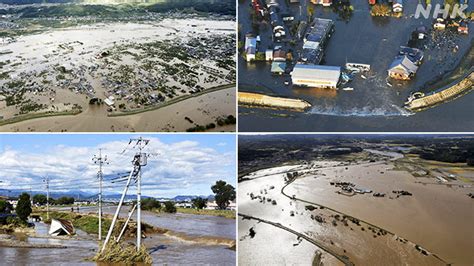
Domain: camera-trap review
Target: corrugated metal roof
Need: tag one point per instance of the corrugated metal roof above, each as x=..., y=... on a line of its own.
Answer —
x=330, y=73
x=405, y=63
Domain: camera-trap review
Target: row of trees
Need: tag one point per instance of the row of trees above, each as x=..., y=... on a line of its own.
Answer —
x=23, y=207
x=151, y=203
x=41, y=199
x=224, y=194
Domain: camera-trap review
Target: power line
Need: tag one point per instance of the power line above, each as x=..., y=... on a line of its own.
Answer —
x=100, y=161
x=46, y=180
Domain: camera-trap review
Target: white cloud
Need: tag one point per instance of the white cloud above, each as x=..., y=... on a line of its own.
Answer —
x=179, y=168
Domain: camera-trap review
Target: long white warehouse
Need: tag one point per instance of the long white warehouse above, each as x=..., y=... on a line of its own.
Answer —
x=316, y=76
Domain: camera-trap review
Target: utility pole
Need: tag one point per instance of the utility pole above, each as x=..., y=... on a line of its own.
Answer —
x=100, y=161
x=117, y=211
x=139, y=160
x=142, y=160
x=46, y=180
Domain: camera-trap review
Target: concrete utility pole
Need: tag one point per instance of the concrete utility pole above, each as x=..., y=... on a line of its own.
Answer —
x=139, y=160
x=142, y=160
x=46, y=180
x=100, y=161
x=109, y=233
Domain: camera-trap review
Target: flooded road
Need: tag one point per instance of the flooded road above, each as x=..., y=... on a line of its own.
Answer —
x=178, y=247
x=364, y=230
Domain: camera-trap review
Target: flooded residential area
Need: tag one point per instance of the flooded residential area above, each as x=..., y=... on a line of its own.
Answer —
x=62, y=208
x=104, y=65
x=355, y=199
x=358, y=68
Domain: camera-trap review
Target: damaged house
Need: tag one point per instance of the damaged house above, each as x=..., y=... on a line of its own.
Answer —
x=402, y=68
x=61, y=227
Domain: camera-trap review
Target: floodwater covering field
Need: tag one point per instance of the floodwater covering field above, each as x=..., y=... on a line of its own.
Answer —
x=309, y=218
x=67, y=65
x=193, y=239
x=376, y=103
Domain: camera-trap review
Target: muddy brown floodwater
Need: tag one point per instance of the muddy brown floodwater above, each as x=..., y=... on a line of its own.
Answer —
x=431, y=227
x=193, y=239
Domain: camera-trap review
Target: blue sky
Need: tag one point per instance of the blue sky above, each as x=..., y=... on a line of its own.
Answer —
x=181, y=163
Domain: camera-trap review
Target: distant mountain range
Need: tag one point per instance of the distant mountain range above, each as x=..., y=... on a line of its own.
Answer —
x=106, y=9
x=81, y=195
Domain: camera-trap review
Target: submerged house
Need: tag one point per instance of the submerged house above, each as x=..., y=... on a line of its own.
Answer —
x=322, y=2
x=463, y=27
x=316, y=76
x=60, y=227
x=278, y=67
x=250, y=47
x=269, y=55
x=415, y=55
x=402, y=68
x=440, y=24
x=397, y=6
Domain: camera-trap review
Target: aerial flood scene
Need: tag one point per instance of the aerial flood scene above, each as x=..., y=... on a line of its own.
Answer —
x=355, y=65
x=107, y=199
x=355, y=199
x=135, y=65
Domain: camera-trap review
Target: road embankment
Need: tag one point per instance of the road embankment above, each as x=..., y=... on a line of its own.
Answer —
x=456, y=89
x=262, y=100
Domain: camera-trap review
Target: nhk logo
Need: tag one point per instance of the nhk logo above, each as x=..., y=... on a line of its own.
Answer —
x=456, y=11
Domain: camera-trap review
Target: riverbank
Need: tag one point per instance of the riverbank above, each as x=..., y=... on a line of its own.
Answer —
x=262, y=100
x=202, y=110
x=351, y=226
x=32, y=116
x=220, y=213
x=172, y=101
x=89, y=223
x=450, y=92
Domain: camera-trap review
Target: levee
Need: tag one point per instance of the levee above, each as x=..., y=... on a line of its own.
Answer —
x=456, y=89
x=262, y=100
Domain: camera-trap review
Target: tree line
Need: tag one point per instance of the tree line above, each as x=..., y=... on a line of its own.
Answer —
x=223, y=193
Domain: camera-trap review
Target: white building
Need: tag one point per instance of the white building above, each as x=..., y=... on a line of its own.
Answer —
x=187, y=205
x=250, y=47
x=316, y=76
x=269, y=55
x=397, y=6
x=110, y=101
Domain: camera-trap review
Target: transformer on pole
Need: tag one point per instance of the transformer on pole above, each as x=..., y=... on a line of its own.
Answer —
x=100, y=161
x=46, y=180
x=139, y=160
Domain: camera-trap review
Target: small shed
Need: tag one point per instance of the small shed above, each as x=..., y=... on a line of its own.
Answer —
x=463, y=27
x=279, y=55
x=278, y=68
x=269, y=55
x=397, y=6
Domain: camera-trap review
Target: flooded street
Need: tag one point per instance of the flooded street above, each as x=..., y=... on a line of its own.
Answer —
x=192, y=240
x=374, y=105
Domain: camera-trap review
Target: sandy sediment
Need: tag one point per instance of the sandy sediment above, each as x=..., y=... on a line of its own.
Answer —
x=427, y=228
x=437, y=217
x=201, y=110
